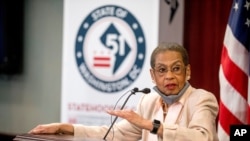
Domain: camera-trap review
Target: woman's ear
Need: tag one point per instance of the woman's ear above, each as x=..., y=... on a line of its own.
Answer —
x=188, y=72
x=152, y=75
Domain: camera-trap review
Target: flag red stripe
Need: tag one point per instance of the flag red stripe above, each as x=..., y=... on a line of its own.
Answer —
x=101, y=58
x=101, y=65
x=234, y=74
x=227, y=118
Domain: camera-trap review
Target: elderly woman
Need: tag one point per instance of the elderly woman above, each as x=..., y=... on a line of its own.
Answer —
x=175, y=111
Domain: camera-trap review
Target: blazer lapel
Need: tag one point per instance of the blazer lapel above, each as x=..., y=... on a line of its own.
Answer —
x=174, y=111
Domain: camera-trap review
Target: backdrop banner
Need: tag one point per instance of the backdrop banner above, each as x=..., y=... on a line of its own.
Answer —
x=106, y=53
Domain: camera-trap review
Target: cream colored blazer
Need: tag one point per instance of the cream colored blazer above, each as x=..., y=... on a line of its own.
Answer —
x=191, y=118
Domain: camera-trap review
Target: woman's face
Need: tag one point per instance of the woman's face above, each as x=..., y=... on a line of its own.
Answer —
x=170, y=73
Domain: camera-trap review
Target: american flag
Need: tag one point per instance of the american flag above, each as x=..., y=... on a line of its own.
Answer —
x=234, y=70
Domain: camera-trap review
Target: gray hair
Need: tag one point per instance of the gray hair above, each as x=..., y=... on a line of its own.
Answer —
x=162, y=47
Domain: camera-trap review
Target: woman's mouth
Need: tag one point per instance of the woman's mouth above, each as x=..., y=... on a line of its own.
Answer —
x=171, y=86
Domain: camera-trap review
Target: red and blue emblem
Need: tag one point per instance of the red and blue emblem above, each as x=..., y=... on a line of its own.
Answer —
x=110, y=49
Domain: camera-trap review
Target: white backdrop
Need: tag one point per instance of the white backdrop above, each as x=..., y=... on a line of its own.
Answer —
x=106, y=52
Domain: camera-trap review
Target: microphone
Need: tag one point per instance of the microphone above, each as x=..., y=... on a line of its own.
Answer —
x=132, y=92
x=145, y=90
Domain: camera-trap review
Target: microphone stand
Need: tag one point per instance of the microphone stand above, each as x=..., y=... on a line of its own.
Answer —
x=132, y=93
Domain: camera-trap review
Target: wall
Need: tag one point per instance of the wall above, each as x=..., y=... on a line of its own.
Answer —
x=34, y=96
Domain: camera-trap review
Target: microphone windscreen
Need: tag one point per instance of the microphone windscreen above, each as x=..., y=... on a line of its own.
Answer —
x=146, y=90
x=135, y=89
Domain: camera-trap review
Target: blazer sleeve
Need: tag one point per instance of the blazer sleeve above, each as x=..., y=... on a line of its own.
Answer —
x=122, y=130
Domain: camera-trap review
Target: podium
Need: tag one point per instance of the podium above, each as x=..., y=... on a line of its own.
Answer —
x=51, y=137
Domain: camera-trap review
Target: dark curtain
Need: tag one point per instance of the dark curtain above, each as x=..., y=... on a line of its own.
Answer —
x=204, y=28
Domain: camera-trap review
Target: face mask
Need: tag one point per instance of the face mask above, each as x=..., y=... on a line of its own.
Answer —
x=170, y=99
